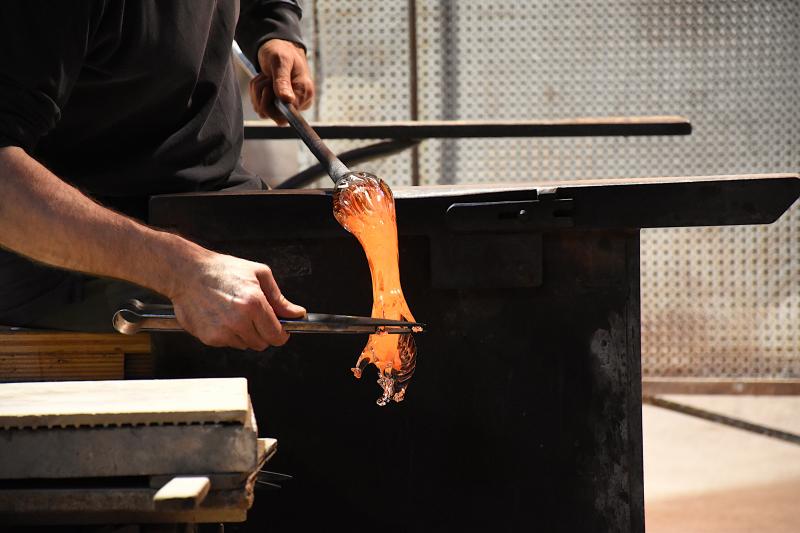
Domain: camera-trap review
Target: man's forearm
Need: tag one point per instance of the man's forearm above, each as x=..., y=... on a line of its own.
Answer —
x=44, y=218
x=220, y=299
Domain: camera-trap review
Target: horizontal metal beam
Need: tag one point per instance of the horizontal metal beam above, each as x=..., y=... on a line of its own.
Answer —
x=349, y=158
x=597, y=204
x=760, y=387
x=441, y=129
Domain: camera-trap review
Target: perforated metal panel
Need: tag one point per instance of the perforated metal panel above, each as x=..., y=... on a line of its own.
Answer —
x=715, y=301
x=731, y=67
x=361, y=54
x=722, y=301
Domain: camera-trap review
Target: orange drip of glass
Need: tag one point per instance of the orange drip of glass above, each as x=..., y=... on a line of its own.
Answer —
x=364, y=205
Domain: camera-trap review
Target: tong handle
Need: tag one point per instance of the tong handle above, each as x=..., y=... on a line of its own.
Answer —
x=145, y=317
x=161, y=317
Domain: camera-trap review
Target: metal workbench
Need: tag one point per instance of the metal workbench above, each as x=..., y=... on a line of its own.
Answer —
x=526, y=405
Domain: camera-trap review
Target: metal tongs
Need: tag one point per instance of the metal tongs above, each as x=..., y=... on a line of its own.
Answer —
x=139, y=316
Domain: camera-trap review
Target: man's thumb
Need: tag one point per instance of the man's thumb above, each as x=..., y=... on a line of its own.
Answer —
x=282, y=84
x=279, y=303
x=286, y=309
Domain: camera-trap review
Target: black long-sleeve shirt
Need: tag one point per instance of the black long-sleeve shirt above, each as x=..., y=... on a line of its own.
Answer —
x=127, y=98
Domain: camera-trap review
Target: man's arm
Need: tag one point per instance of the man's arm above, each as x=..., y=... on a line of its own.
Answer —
x=269, y=33
x=222, y=300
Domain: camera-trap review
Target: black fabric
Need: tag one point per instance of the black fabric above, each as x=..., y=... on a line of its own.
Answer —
x=262, y=20
x=28, y=289
x=125, y=99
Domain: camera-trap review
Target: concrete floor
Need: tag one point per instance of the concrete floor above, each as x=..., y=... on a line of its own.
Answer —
x=705, y=477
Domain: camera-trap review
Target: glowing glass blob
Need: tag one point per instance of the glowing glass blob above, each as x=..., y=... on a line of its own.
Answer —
x=363, y=204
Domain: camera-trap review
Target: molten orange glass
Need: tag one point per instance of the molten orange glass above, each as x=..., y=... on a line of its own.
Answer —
x=363, y=204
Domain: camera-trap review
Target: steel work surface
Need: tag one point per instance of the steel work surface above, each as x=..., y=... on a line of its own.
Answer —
x=525, y=407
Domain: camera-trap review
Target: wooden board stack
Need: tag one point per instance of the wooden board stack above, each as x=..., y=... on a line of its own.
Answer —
x=112, y=452
x=35, y=355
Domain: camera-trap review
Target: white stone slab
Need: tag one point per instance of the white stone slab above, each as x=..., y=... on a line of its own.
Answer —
x=92, y=403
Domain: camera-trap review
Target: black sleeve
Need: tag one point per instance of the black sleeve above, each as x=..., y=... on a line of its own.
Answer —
x=43, y=48
x=262, y=20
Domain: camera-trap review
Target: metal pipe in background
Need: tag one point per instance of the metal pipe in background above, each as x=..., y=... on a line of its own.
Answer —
x=722, y=419
x=413, y=84
x=351, y=157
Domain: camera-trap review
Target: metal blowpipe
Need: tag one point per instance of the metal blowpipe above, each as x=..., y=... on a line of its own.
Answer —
x=333, y=165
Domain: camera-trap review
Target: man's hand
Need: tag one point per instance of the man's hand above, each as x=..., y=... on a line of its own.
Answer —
x=285, y=74
x=233, y=302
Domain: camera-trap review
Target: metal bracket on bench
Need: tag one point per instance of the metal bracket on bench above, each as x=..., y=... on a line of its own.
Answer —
x=504, y=237
x=547, y=211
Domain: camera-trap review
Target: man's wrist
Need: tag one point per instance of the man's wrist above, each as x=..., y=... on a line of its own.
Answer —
x=175, y=262
x=276, y=40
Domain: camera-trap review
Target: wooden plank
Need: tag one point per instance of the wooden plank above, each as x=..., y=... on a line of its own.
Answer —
x=61, y=367
x=182, y=493
x=26, y=341
x=194, y=516
x=267, y=448
x=122, y=500
x=430, y=129
x=767, y=387
x=128, y=451
x=226, y=481
x=73, y=403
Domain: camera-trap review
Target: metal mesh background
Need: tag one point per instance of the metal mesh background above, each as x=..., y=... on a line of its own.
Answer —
x=715, y=301
x=360, y=57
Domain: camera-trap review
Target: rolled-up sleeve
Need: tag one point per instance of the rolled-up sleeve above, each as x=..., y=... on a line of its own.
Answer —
x=262, y=20
x=43, y=48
